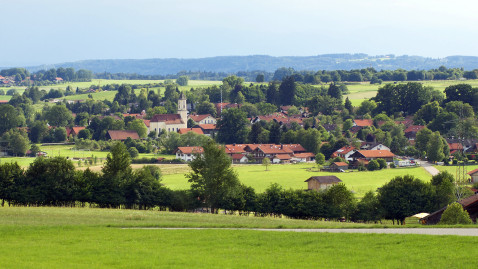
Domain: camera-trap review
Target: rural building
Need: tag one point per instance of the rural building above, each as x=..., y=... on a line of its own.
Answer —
x=322, y=182
x=203, y=119
x=344, y=153
x=239, y=158
x=171, y=122
x=338, y=166
x=474, y=175
x=303, y=157
x=281, y=158
x=412, y=130
x=363, y=123
x=469, y=204
x=187, y=153
x=374, y=146
x=455, y=147
x=74, y=130
x=373, y=155
x=208, y=129
x=187, y=130
x=122, y=135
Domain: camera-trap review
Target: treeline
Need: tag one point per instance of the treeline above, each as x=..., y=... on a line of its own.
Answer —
x=314, y=77
x=23, y=77
x=55, y=182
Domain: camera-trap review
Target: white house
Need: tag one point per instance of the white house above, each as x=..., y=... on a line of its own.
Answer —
x=187, y=154
x=171, y=122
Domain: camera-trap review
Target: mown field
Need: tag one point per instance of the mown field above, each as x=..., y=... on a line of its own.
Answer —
x=358, y=91
x=294, y=175
x=93, y=238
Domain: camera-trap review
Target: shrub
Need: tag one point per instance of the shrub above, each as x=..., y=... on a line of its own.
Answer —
x=382, y=163
x=455, y=214
x=392, y=165
x=133, y=152
x=373, y=165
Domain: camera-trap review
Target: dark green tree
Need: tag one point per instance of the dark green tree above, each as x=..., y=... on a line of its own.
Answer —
x=287, y=91
x=212, y=177
x=232, y=126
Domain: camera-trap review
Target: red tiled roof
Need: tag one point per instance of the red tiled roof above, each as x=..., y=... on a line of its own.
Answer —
x=235, y=148
x=343, y=150
x=455, y=146
x=414, y=128
x=122, y=134
x=304, y=155
x=472, y=172
x=77, y=129
x=340, y=164
x=282, y=156
x=366, y=122
x=275, y=149
x=190, y=150
x=194, y=130
x=376, y=153
x=198, y=118
x=295, y=147
x=147, y=123
x=3, y=101
x=325, y=179
x=237, y=156
x=208, y=126
x=168, y=118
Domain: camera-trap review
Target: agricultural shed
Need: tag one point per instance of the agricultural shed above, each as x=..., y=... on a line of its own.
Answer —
x=322, y=182
x=469, y=204
x=337, y=166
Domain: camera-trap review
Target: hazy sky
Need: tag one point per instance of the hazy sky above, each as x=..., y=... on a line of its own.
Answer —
x=53, y=31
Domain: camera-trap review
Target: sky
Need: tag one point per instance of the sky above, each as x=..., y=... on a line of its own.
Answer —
x=54, y=31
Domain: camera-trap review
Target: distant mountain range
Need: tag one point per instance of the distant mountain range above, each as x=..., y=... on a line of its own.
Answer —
x=232, y=64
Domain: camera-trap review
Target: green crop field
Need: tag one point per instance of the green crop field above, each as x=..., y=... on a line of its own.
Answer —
x=93, y=238
x=294, y=175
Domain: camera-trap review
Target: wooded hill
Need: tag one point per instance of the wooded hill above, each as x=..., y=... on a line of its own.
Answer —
x=232, y=64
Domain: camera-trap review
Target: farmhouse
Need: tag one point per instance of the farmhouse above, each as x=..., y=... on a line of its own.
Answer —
x=187, y=130
x=373, y=155
x=187, y=153
x=322, y=182
x=281, y=158
x=73, y=131
x=171, y=122
x=208, y=129
x=344, y=153
x=303, y=157
x=239, y=158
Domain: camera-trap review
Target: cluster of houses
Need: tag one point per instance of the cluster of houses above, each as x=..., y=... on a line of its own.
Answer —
x=255, y=153
x=7, y=80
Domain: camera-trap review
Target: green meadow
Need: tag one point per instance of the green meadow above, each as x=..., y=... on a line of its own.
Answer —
x=93, y=238
x=294, y=175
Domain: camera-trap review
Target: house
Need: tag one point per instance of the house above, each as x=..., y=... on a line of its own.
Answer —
x=3, y=102
x=187, y=130
x=203, y=119
x=355, y=164
x=469, y=204
x=303, y=157
x=187, y=154
x=344, y=153
x=239, y=158
x=280, y=118
x=373, y=146
x=412, y=130
x=281, y=158
x=322, y=182
x=373, y=155
x=455, y=147
x=232, y=149
x=171, y=122
x=208, y=129
x=122, y=135
x=74, y=130
x=339, y=166
x=363, y=123
x=474, y=175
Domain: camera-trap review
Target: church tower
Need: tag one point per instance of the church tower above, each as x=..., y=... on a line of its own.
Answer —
x=183, y=108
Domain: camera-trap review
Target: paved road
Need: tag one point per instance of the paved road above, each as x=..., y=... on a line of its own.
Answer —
x=426, y=231
x=430, y=169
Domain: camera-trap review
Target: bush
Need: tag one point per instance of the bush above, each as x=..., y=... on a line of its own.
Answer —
x=373, y=165
x=133, y=152
x=392, y=165
x=455, y=214
x=382, y=163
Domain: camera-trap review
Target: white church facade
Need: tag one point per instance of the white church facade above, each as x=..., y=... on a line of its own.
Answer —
x=171, y=122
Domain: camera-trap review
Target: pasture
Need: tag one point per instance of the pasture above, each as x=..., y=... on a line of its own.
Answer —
x=294, y=175
x=93, y=238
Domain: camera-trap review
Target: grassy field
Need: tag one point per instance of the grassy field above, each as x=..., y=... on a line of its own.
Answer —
x=68, y=151
x=294, y=175
x=92, y=238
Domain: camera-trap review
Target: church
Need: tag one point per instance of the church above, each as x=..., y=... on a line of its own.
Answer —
x=171, y=122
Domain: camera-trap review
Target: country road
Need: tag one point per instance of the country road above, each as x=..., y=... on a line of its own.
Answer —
x=430, y=168
x=424, y=231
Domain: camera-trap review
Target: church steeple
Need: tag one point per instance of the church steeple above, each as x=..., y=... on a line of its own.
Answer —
x=182, y=107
